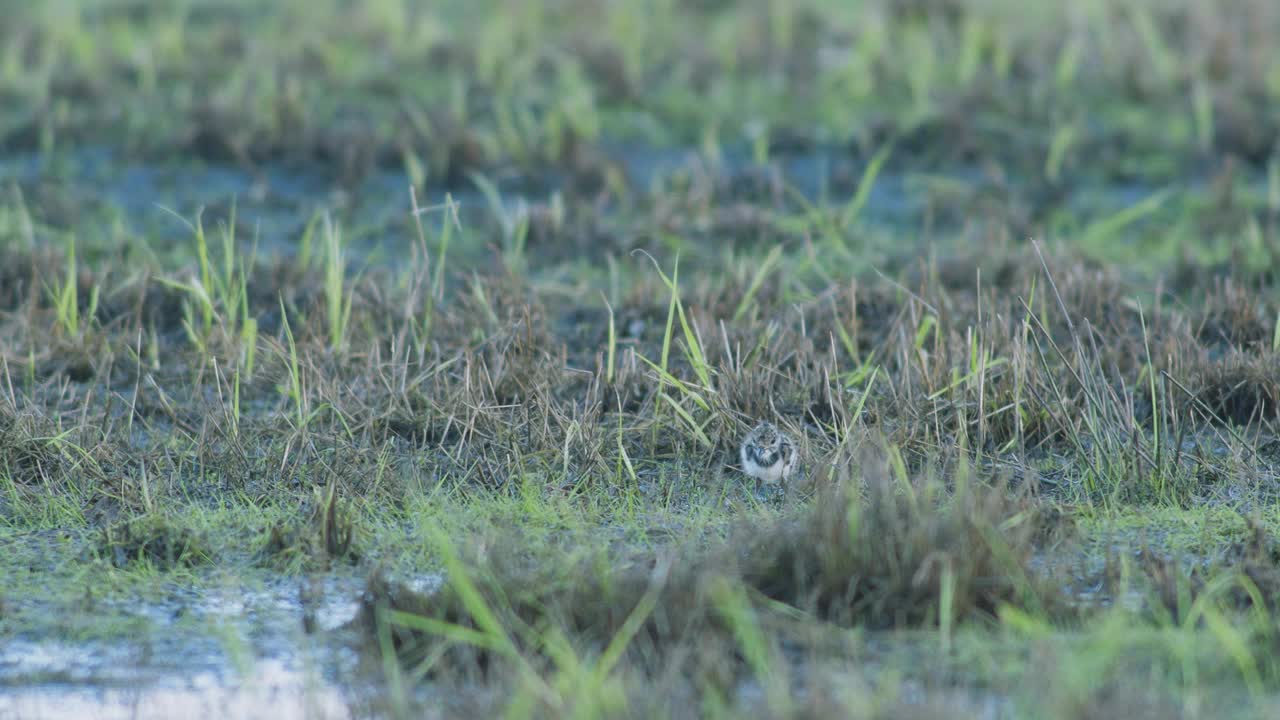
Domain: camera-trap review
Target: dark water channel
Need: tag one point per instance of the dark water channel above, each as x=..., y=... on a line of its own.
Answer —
x=103, y=196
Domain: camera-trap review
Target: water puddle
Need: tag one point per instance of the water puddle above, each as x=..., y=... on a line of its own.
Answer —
x=236, y=652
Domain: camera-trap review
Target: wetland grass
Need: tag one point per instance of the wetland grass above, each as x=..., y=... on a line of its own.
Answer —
x=457, y=315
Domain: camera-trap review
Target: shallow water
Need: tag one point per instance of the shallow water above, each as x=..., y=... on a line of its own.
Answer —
x=98, y=190
x=273, y=690
x=254, y=661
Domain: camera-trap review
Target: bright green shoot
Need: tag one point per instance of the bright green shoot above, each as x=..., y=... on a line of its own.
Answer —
x=294, y=389
x=66, y=297
x=218, y=297
x=613, y=344
x=434, y=278
x=693, y=344
x=762, y=272
x=337, y=298
x=868, y=180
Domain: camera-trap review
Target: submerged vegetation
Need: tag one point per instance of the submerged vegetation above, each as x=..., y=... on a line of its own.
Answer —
x=458, y=312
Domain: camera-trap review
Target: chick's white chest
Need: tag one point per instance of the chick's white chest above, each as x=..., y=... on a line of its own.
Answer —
x=767, y=473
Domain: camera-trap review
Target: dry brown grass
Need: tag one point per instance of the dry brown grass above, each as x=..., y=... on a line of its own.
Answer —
x=512, y=376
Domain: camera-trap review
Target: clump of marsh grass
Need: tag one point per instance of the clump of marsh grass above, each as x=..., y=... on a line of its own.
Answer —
x=887, y=551
x=896, y=551
x=153, y=540
x=28, y=454
x=327, y=534
x=1246, y=577
x=1243, y=391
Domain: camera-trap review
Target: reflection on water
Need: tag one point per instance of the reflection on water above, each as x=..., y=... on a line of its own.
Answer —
x=272, y=690
x=241, y=653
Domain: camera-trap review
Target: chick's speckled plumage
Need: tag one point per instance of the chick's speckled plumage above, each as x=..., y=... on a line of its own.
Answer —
x=767, y=454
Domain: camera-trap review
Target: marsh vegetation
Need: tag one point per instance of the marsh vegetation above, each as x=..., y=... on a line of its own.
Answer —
x=399, y=354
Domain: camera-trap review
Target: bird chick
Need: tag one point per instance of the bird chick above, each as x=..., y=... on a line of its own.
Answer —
x=768, y=455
